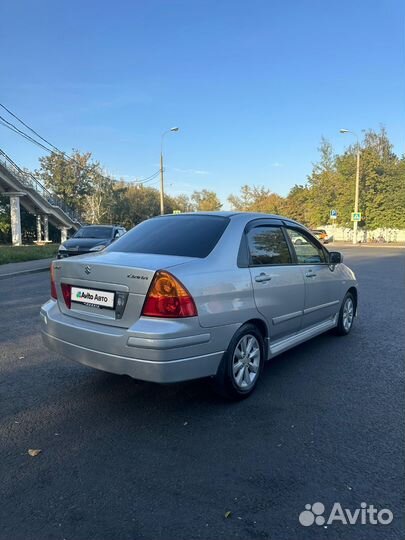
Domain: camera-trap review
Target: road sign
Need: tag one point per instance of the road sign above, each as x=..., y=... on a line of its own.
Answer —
x=356, y=216
x=176, y=211
x=333, y=214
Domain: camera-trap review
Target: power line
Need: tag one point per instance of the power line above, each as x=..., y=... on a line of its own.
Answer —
x=30, y=128
x=15, y=129
x=148, y=179
x=18, y=131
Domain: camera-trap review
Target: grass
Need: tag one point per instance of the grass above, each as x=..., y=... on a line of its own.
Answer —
x=12, y=254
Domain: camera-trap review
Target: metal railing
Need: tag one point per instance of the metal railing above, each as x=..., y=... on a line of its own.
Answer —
x=30, y=181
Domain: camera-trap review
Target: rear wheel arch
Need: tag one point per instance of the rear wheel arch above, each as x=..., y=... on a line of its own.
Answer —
x=260, y=325
x=224, y=381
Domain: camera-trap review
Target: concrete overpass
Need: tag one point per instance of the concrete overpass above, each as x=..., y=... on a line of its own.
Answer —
x=24, y=189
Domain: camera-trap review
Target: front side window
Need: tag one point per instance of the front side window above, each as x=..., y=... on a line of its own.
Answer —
x=267, y=245
x=306, y=250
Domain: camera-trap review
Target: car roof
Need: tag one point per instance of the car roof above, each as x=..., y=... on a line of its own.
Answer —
x=234, y=215
x=94, y=225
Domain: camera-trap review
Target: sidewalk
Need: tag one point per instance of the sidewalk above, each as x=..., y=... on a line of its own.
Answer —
x=392, y=245
x=26, y=267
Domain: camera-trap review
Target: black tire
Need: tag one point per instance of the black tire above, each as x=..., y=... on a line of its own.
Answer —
x=346, y=315
x=227, y=376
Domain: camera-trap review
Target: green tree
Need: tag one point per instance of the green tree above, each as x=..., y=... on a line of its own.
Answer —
x=206, y=201
x=182, y=202
x=380, y=186
x=134, y=203
x=382, y=181
x=69, y=179
x=325, y=187
x=5, y=223
x=256, y=199
x=395, y=200
x=99, y=199
x=296, y=204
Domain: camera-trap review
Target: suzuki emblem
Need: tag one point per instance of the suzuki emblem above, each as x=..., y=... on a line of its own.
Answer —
x=87, y=269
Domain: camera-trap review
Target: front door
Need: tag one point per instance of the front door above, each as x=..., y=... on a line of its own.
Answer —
x=322, y=284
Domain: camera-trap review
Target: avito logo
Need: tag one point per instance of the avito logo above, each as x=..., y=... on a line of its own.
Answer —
x=86, y=295
x=366, y=514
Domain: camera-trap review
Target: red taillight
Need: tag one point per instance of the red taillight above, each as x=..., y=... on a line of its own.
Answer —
x=67, y=294
x=54, y=294
x=167, y=297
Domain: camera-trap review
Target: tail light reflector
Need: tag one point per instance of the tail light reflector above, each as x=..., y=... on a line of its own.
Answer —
x=54, y=293
x=167, y=297
x=67, y=294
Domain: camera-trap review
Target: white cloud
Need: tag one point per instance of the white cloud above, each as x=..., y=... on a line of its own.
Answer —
x=199, y=172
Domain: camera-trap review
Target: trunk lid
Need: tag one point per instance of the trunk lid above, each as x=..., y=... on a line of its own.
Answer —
x=126, y=275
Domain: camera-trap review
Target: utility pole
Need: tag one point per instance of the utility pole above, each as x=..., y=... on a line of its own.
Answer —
x=356, y=193
x=162, y=203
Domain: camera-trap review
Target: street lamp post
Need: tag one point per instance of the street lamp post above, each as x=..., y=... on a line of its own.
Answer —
x=162, y=204
x=356, y=193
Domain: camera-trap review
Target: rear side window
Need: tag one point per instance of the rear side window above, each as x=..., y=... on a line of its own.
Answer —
x=267, y=245
x=182, y=235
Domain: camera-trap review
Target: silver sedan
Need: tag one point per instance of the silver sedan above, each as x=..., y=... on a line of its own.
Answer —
x=186, y=296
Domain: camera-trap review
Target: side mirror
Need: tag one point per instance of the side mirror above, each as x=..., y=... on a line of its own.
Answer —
x=335, y=257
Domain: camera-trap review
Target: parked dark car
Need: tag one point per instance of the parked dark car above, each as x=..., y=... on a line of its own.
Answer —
x=90, y=239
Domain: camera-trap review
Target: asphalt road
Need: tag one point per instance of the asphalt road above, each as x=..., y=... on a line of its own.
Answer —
x=123, y=459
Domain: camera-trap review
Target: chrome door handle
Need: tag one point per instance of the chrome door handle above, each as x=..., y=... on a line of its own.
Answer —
x=310, y=274
x=262, y=277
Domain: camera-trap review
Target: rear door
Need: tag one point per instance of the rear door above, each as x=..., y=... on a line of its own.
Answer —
x=322, y=284
x=278, y=284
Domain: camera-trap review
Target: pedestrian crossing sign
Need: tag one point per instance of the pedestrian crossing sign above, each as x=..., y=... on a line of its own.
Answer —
x=356, y=216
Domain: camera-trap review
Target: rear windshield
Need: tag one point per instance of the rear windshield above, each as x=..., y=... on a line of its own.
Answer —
x=182, y=235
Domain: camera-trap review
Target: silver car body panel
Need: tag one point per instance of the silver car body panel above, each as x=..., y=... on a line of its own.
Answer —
x=291, y=306
x=280, y=299
x=284, y=344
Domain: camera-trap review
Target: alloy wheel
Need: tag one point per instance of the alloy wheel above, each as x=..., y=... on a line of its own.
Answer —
x=348, y=314
x=246, y=361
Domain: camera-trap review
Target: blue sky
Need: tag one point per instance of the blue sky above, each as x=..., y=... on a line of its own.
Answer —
x=253, y=85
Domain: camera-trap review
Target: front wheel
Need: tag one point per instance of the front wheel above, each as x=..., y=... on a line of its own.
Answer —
x=242, y=363
x=346, y=315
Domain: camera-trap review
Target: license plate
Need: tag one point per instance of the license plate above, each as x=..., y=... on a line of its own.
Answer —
x=93, y=297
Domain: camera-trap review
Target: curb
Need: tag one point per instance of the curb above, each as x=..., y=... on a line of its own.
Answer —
x=23, y=272
x=348, y=245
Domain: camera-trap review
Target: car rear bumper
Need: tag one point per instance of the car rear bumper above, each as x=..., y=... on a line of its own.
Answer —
x=161, y=372
x=173, y=354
